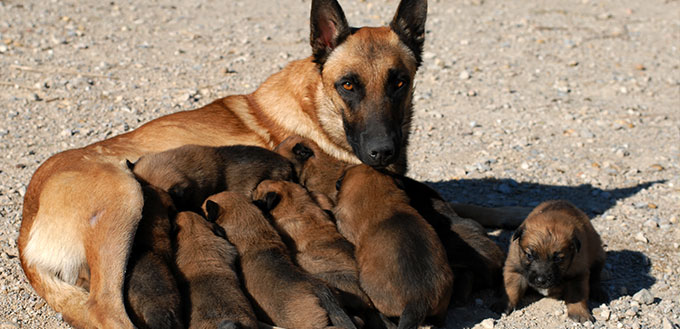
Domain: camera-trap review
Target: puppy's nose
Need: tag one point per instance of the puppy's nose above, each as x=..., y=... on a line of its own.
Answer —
x=540, y=279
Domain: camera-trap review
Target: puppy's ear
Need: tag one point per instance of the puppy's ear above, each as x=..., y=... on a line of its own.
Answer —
x=577, y=244
x=212, y=211
x=130, y=164
x=409, y=24
x=328, y=28
x=518, y=233
x=271, y=199
x=302, y=152
x=219, y=231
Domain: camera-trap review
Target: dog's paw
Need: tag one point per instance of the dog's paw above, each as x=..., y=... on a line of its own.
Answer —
x=581, y=316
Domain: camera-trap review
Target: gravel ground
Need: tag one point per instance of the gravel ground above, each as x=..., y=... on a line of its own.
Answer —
x=517, y=102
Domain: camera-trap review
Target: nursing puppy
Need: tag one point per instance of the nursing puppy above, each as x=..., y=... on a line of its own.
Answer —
x=476, y=260
x=206, y=263
x=151, y=294
x=191, y=173
x=315, y=243
x=282, y=293
x=402, y=264
x=557, y=252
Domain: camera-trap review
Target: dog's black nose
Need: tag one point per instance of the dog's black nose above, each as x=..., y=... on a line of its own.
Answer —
x=381, y=154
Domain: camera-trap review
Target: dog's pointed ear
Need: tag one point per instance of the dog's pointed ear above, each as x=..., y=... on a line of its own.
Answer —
x=518, y=233
x=130, y=164
x=409, y=25
x=577, y=244
x=328, y=28
x=219, y=231
x=302, y=152
x=212, y=211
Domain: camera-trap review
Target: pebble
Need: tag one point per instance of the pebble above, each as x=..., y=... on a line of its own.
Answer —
x=464, y=75
x=666, y=324
x=644, y=297
x=641, y=237
x=488, y=323
x=604, y=315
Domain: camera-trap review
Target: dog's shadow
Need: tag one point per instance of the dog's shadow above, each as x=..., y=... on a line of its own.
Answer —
x=626, y=272
x=508, y=192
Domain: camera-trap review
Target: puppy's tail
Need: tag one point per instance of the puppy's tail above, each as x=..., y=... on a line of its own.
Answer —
x=413, y=315
x=336, y=314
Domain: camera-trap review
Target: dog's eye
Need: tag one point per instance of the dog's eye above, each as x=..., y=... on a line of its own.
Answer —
x=348, y=85
x=399, y=84
x=557, y=258
x=529, y=254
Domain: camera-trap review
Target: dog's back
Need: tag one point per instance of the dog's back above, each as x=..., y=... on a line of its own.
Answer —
x=282, y=293
x=205, y=260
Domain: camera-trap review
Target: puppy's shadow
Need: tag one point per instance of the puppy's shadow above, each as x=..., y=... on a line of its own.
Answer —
x=508, y=192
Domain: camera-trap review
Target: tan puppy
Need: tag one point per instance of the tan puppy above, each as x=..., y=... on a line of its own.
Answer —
x=206, y=263
x=315, y=243
x=152, y=296
x=476, y=260
x=557, y=252
x=191, y=173
x=402, y=264
x=282, y=293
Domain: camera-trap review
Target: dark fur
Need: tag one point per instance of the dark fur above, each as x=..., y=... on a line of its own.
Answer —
x=282, y=293
x=152, y=297
x=402, y=264
x=315, y=243
x=191, y=173
x=557, y=250
x=206, y=262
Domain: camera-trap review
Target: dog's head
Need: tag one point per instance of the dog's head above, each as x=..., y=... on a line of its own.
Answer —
x=546, y=250
x=368, y=76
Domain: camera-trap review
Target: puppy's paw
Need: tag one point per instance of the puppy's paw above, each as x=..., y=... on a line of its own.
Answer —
x=580, y=316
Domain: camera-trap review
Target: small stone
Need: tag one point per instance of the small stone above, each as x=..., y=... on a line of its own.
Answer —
x=604, y=315
x=640, y=67
x=464, y=75
x=644, y=297
x=488, y=323
x=656, y=167
x=641, y=237
x=666, y=324
x=472, y=93
x=652, y=205
x=3, y=49
x=9, y=325
x=651, y=223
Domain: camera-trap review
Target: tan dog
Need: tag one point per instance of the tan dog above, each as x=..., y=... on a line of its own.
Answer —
x=557, y=252
x=352, y=97
x=476, y=260
x=402, y=264
x=206, y=261
x=191, y=173
x=315, y=243
x=283, y=294
x=151, y=291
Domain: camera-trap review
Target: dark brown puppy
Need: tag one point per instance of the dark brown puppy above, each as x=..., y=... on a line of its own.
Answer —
x=205, y=260
x=191, y=173
x=315, y=243
x=476, y=260
x=151, y=294
x=402, y=264
x=557, y=252
x=282, y=293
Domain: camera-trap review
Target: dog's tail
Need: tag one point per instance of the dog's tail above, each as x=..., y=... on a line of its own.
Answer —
x=336, y=314
x=413, y=315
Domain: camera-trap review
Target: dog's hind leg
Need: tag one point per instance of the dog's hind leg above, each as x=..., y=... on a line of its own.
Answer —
x=500, y=217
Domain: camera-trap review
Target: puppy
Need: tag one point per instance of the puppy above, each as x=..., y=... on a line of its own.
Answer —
x=315, y=243
x=151, y=294
x=282, y=293
x=557, y=252
x=205, y=260
x=191, y=173
x=476, y=260
x=402, y=264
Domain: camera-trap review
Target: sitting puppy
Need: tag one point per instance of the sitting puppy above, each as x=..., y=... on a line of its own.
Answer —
x=557, y=252
x=205, y=260
x=282, y=293
x=476, y=260
x=191, y=173
x=402, y=264
x=151, y=294
x=315, y=243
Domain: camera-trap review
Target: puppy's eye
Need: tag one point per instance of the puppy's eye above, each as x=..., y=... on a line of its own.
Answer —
x=529, y=254
x=558, y=258
x=348, y=86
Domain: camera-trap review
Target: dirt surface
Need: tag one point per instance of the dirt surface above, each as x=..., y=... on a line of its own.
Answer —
x=517, y=102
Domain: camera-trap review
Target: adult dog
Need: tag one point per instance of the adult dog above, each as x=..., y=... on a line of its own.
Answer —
x=352, y=97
